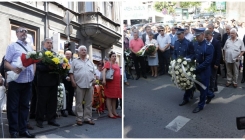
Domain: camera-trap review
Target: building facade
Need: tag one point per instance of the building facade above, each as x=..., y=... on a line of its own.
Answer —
x=94, y=24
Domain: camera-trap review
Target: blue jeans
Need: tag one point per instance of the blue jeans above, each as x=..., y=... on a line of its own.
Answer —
x=18, y=106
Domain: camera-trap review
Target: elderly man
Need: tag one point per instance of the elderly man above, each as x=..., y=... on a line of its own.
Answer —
x=47, y=88
x=173, y=37
x=82, y=74
x=68, y=87
x=216, y=35
x=216, y=60
x=19, y=91
x=188, y=35
x=135, y=45
x=233, y=51
x=164, y=41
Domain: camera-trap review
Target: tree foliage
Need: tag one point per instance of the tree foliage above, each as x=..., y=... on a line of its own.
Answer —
x=189, y=4
x=159, y=6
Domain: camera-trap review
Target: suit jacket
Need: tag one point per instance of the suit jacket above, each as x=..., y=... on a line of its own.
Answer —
x=155, y=36
x=221, y=31
x=217, y=36
x=144, y=38
x=217, y=52
x=225, y=37
x=44, y=77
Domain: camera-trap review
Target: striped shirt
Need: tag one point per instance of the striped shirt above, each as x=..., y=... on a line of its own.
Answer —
x=14, y=51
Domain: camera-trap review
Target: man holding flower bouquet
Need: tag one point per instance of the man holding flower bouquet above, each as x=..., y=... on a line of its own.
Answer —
x=47, y=88
x=183, y=48
x=19, y=90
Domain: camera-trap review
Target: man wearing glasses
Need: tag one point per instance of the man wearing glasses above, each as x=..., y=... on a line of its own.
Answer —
x=164, y=41
x=19, y=91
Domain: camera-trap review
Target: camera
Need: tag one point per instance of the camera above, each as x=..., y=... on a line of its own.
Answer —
x=240, y=123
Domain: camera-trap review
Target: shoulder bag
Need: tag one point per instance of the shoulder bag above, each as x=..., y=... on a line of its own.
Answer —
x=109, y=73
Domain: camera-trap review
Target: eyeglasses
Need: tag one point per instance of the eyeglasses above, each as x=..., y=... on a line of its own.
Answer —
x=160, y=30
x=23, y=31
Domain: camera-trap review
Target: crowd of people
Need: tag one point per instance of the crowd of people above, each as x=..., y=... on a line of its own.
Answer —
x=33, y=95
x=212, y=43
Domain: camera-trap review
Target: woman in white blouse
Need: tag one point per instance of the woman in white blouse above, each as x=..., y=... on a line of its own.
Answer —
x=152, y=59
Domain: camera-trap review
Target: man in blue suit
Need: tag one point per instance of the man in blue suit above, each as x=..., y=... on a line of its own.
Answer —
x=203, y=54
x=215, y=62
x=173, y=37
x=183, y=48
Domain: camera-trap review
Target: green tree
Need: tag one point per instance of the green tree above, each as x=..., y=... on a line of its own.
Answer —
x=190, y=5
x=159, y=6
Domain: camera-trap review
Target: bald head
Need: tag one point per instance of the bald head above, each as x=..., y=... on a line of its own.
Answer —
x=68, y=54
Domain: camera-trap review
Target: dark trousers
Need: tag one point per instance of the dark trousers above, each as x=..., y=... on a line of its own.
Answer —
x=33, y=100
x=164, y=59
x=213, y=79
x=188, y=93
x=141, y=60
x=243, y=71
x=46, y=103
x=18, y=106
x=69, y=96
x=204, y=93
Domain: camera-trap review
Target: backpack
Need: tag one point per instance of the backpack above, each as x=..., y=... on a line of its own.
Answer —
x=2, y=67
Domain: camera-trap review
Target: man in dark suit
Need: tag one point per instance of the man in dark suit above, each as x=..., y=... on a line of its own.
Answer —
x=216, y=60
x=145, y=35
x=215, y=34
x=68, y=87
x=47, y=88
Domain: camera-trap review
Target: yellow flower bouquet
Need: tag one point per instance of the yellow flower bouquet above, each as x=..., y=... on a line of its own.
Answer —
x=58, y=62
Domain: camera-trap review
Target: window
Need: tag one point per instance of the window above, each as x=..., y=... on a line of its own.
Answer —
x=89, y=6
x=31, y=36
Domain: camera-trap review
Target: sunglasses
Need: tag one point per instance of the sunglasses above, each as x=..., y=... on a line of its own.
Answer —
x=23, y=31
x=160, y=30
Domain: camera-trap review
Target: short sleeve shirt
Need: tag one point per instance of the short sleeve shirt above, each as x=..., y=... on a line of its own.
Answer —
x=136, y=44
x=163, y=40
x=14, y=51
x=233, y=49
x=83, y=71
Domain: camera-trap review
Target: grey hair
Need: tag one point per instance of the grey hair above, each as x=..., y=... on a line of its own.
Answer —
x=81, y=47
x=135, y=31
x=211, y=25
x=207, y=32
x=228, y=26
x=233, y=30
x=48, y=39
x=20, y=27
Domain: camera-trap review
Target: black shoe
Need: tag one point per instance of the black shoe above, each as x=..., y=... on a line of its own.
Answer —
x=14, y=135
x=27, y=135
x=32, y=116
x=209, y=99
x=144, y=76
x=71, y=113
x=161, y=74
x=63, y=113
x=197, y=109
x=39, y=124
x=215, y=89
x=242, y=80
x=138, y=77
x=183, y=103
x=53, y=123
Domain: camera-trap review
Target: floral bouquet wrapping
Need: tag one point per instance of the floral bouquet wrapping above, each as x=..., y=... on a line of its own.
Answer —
x=58, y=62
x=22, y=62
x=141, y=52
x=182, y=71
x=61, y=97
x=150, y=49
x=98, y=97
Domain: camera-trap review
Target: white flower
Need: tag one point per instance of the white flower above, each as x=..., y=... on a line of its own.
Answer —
x=192, y=69
x=169, y=67
x=61, y=95
x=179, y=60
x=176, y=72
x=178, y=81
x=188, y=82
x=184, y=79
x=189, y=74
x=33, y=52
x=185, y=63
x=176, y=67
x=194, y=76
x=182, y=74
x=40, y=55
x=180, y=70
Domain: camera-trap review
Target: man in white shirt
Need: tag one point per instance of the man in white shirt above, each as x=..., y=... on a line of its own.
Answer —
x=164, y=41
x=188, y=35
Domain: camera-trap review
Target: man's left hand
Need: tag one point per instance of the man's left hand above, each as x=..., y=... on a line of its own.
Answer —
x=216, y=67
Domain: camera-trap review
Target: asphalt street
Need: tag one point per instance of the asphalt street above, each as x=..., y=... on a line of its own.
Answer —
x=152, y=111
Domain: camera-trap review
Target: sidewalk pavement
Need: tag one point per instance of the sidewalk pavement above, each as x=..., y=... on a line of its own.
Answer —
x=63, y=121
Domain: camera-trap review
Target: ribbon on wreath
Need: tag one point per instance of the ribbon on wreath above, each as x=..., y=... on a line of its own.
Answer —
x=64, y=95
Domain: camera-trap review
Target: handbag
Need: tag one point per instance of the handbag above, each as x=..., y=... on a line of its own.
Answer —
x=109, y=74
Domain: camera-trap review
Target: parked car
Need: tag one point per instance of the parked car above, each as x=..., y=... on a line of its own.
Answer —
x=206, y=15
x=197, y=16
x=138, y=26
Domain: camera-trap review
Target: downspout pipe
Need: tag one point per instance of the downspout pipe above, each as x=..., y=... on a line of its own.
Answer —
x=46, y=21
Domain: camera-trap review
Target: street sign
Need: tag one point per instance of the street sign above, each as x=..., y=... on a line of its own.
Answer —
x=68, y=30
x=220, y=5
x=68, y=17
